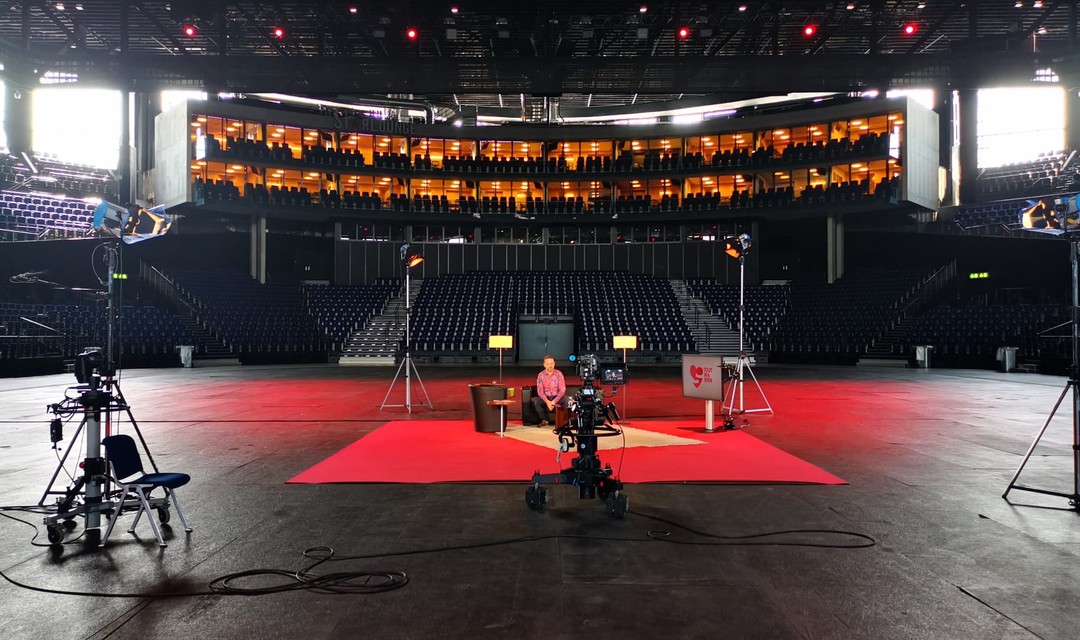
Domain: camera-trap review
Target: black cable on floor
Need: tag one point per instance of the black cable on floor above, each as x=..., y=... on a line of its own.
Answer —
x=665, y=536
x=371, y=582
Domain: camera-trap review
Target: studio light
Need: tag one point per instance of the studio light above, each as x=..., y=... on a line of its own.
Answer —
x=809, y=30
x=737, y=246
x=409, y=259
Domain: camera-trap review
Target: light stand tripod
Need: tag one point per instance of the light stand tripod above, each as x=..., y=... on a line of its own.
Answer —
x=1073, y=384
x=408, y=262
x=738, y=247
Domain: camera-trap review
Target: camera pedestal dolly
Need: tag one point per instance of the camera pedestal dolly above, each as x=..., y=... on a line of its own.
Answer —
x=585, y=471
x=88, y=495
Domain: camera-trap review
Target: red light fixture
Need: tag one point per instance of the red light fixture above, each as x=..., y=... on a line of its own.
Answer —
x=910, y=29
x=277, y=32
x=809, y=30
x=684, y=33
x=190, y=31
x=411, y=33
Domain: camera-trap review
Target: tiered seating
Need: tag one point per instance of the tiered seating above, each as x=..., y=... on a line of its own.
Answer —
x=970, y=334
x=341, y=310
x=631, y=304
x=25, y=216
x=252, y=317
x=763, y=307
x=1040, y=176
x=54, y=175
x=836, y=322
x=458, y=312
x=989, y=214
x=143, y=330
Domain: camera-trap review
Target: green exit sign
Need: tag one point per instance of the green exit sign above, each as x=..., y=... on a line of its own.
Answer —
x=980, y=275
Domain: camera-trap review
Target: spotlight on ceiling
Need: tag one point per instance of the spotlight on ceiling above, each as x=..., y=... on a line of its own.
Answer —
x=189, y=30
x=809, y=30
x=910, y=29
x=684, y=33
x=277, y=32
x=411, y=33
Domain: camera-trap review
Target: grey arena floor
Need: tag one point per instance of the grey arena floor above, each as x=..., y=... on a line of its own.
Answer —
x=927, y=455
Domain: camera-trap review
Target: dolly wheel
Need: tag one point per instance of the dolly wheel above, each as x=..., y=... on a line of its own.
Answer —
x=536, y=497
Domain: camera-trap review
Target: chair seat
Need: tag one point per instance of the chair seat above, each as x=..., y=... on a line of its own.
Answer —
x=170, y=480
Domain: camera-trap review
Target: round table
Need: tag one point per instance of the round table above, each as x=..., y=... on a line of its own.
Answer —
x=502, y=405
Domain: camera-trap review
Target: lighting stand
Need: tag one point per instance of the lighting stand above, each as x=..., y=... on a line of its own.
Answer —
x=407, y=361
x=97, y=401
x=742, y=366
x=1072, y=384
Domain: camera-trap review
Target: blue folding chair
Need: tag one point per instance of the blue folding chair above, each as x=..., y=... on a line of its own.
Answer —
x=128, y=475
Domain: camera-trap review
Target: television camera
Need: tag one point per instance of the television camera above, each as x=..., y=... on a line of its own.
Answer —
x=590, y=418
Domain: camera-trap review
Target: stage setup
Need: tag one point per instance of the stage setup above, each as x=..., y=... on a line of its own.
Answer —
x=867, y=503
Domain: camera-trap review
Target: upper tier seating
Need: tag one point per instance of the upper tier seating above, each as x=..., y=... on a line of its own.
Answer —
x=1047, y=174
x=26, y=216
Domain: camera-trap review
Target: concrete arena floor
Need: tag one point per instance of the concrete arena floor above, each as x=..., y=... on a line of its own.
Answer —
x=927, y=454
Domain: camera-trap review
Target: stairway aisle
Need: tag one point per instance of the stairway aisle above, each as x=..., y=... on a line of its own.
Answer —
x=712, y=334
x=379, y=341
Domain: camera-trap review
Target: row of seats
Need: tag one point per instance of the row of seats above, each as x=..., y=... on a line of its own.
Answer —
x=816, y=195
x=869, y=144
x=465, y=308
x=142, y=329
x=849, y=314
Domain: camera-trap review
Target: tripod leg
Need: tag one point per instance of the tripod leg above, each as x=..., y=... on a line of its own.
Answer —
x=1038, y=437
x=388, y=391
x=60, y=465
x=421, y=383
x=768, y=407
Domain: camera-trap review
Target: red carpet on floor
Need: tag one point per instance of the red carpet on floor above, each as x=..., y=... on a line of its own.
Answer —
x=452, y=451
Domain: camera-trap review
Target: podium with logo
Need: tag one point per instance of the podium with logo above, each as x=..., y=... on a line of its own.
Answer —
x=704, y=377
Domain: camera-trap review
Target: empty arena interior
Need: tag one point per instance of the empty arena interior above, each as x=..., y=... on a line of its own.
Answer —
x=316, y=268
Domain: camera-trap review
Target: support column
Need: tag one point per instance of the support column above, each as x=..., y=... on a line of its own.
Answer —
x=968, y=133
x=834, y=247
x=18, y=119
x=947, y=109
x=257, y=248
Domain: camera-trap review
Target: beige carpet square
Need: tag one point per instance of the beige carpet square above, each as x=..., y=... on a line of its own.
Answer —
x=543, y=437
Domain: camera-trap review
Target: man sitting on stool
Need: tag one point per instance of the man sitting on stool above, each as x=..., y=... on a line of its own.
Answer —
x=550, y=390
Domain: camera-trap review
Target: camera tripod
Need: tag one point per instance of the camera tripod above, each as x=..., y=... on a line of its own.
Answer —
x=588, y=423
x=1073, y=385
